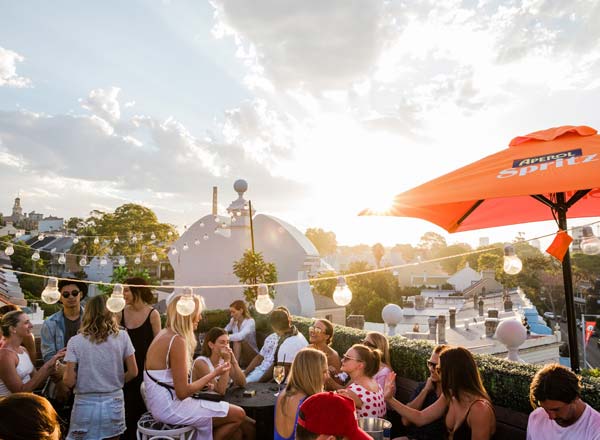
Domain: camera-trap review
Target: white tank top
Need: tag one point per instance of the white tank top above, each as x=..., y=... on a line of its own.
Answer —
x=24, y=370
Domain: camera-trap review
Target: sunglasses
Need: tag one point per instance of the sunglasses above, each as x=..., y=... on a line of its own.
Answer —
x=432, y=365
x=348, y=358
x=74, y=294
x=316, y=330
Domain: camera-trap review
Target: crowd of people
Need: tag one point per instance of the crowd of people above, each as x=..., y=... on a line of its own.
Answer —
x=102, y=371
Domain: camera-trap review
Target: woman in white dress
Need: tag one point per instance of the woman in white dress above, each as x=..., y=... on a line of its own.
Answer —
x=215, y=352
x=17, y=373
x=168, y=391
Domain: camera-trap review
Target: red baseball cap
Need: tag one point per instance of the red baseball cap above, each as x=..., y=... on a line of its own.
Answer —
x=331, y=414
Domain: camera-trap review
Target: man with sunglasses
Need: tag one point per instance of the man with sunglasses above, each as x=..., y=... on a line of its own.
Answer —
x=425, y=395
x=58, y=329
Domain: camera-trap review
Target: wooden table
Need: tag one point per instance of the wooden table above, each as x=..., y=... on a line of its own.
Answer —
x=261, y=406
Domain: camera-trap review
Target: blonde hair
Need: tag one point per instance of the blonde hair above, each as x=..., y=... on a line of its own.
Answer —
x=98, y=323
x=306, y=374
x=184, y=325
x=381, y=343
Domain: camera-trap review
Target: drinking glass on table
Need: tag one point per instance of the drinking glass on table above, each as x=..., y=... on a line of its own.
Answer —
x=278, y=376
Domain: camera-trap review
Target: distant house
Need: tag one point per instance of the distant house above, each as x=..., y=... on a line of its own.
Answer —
x=464, y=278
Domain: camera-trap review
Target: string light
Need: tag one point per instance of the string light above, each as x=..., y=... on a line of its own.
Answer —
x=174, y=251
x=116, y=302
x=153, y=236
x=103, y=261
x=512, y=263
x=134, y=239
x=205, y=237
x=154, y=257
x=263, y=303
x=41, y=236
x=9, y=250
x=223, y=225
x=590, y=244
x=137, y=260
x=96, y=240
x=342, y=294
x=122, y=261
x=185, y=247
x=170, y=233
x=201, y=224
x=197, y=242
x=83, y=261
x=76, y=240
x=116, y=240
x=62, y=259
x=50, y=294
x=35, y=256
x=185, y=303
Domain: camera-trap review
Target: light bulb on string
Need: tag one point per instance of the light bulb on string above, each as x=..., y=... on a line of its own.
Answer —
x=50, y=294
x=170, y=233
x=103, y=261
x=134, y=239
x=197, y=242
x=83, y=261
x=590, y=244
x=216, y=219
x=233, y=220
x=342, y=295
x=223, y=225
x=185, y=303
x=116, y=240
x=62, y=259
x=154, y=257
x=19, y=233
x=205, y=237
x=185, y=246
x=137, y=260
x=122, y=261
x=201, y=224
x=174, y=251
x=35, y=256
x=153, y=236
x=96, y=240
x=9, y=250
x=76, y=240
x=263, y=303
x=238, y=213
x=512, y=263
x=41, y=236
x=116, y=302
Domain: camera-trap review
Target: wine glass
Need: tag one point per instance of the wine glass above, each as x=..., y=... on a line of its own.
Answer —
x=278, y=376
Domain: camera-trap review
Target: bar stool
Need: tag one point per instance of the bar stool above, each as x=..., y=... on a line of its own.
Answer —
x=150, y=429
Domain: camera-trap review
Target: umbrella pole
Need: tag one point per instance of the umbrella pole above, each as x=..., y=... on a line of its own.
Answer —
x=568, y=285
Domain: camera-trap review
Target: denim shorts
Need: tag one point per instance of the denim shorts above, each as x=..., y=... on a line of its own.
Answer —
x=97, y=416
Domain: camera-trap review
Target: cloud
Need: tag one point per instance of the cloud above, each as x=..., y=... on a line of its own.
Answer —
x=314, y=45
x=8, y=69
x=104, y=104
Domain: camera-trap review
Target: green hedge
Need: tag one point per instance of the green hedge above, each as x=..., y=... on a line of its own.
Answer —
x=507, y=382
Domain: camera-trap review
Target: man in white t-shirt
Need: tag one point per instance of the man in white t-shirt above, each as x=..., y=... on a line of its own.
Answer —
x=561, y=413
x=291, y=341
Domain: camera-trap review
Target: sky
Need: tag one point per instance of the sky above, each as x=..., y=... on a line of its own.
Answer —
x=324, y=107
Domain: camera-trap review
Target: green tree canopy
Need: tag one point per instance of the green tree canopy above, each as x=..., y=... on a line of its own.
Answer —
x=133, y=225
x=450, y=265
x=324, y=241
x=253, y=269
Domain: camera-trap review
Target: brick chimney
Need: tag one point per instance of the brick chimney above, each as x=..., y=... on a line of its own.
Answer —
x=492, y=313
x=432, y=322
x=441, y=329
x=490, y=327
x=480, y=303
x=452, y=311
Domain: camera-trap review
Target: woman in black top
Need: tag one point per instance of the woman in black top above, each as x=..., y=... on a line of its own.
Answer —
x=142, y=323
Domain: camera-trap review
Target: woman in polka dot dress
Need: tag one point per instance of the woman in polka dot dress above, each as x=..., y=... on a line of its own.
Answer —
x=362, y=363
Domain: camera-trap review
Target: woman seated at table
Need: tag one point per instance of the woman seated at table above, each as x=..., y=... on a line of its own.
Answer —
x=362, y=363
x=28, y=341
x=465, y=404
x=242, y=329
x=306, y=377
x=320, y=337
x=168, y=390
x=215, y=352
x=376, y=340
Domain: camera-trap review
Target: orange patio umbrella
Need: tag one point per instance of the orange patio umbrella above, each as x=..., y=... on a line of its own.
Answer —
x=546, y=175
